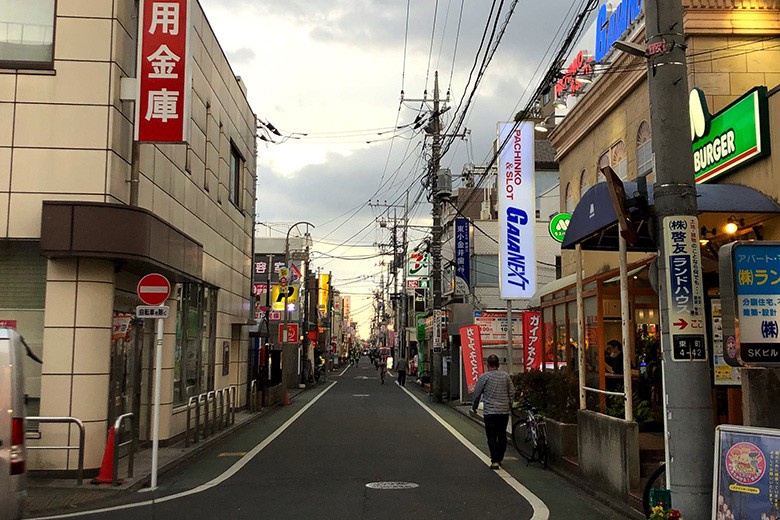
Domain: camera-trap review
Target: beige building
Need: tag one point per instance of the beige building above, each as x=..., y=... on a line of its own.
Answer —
x=84, y=213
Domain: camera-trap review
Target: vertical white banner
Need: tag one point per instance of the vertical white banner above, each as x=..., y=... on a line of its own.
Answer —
x=516, y=211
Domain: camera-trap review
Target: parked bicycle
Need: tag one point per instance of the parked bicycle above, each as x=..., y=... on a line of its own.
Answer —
x=529, y=434
x=656, y=480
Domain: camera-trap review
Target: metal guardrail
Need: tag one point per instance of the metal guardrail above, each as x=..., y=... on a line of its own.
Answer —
x=120, y=421
x=219, y=411
x=80, y=446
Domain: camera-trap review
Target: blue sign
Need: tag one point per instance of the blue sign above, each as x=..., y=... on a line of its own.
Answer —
x=747, y=483
x=462, y=250
x=610, y=27
x=757, y=294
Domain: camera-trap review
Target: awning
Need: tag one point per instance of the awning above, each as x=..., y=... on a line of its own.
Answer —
x=552, y=287
x=594, y=225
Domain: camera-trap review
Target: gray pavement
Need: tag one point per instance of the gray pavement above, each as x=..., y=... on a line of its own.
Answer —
x=339, y=438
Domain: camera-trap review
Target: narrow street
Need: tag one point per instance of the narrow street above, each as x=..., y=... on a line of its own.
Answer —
x=321, y=456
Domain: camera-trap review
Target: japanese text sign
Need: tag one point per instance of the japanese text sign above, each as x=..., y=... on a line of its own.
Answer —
x=437, y=323
x=532, y=340
x=471, y=348
x=516, y=211
x=462, y=250
x=684, y=288
x=747, y=472
x=756, y=301
x=493, y=326
x=162, y=110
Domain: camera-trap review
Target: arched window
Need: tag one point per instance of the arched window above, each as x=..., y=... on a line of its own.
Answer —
x=644, y=151
x=569, y=199
x=617, y=158
x=584, y=183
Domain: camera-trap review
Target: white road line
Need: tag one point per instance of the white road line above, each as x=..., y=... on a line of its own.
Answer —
x=343, y=371
x=235, y=468
x=541, y=512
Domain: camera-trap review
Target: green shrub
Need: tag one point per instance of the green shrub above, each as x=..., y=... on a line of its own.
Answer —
x=554, y=393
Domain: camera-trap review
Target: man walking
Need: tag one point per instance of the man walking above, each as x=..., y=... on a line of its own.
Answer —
x=400, y=367
x=496, y=390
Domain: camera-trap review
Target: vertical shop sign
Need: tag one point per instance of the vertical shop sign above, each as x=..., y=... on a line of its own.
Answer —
x=723, y=373
x=436, y=332
x=516, y=211
x=462, y=250
x=471, y=348
x=532, y=340
x=162, y=109
x=754, y=297
x=747, y=473
x=684, y=288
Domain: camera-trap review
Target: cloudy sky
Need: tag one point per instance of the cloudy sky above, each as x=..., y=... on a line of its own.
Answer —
x=334, y=71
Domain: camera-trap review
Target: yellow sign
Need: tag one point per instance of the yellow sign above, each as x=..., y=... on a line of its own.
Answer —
x=277, y=296
x=284, y=271
x=324, y=292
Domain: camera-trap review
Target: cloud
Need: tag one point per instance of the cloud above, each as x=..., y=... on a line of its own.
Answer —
x=241, y=56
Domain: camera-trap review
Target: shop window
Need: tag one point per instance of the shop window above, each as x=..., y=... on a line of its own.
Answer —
x=485, y=269
x=27, y=34
x=236, y=163
x=644, y=150
x=194, y=351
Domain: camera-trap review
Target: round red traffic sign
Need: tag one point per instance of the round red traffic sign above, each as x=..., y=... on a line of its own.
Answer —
x=153, y=289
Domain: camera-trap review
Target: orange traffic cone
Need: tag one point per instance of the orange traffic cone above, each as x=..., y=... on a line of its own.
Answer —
x=106, y=475
x=287, y=401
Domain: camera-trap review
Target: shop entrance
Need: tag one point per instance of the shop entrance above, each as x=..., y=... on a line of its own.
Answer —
x=127, y=349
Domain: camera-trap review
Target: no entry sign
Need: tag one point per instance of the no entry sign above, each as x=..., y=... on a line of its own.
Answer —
x=153, y=289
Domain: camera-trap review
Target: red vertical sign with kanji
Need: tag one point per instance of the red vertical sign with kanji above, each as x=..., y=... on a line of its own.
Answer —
x=532, y=340
x=471, y=347
x=162, y=109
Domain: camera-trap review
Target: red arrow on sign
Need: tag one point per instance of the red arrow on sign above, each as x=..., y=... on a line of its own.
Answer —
x=153, y=289
x=680, y=324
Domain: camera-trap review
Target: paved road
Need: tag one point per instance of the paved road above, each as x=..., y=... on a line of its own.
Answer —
x=316, y=458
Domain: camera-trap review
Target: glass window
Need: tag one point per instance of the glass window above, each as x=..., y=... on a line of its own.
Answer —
x=26, y=34
x=194, y=351
x=584, y=183
x=618, y=159
x=569, y=198
x=235, y=175
x=485, y=269
x=644, y=150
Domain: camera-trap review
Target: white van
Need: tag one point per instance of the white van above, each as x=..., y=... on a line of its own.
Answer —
x=13, y=485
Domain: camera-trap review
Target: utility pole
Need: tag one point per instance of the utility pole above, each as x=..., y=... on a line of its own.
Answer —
x=405, y=300
x=437, y=369
x=688, y=405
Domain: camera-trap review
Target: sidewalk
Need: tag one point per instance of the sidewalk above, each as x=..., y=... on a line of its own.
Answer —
x=50, y=496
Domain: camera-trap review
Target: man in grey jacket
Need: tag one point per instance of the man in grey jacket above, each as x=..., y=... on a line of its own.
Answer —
x=400, y=367
x=496, y=390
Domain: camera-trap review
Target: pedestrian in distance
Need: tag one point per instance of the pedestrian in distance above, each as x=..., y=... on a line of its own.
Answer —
x=381, y=366
x=400, y=367
x=496, y=390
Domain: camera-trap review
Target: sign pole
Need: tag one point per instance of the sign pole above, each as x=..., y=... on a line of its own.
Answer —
x=156, y=412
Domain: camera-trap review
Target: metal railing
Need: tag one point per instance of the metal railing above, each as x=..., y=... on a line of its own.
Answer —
x=80, y=446
x=120, y=421
x=219, y=411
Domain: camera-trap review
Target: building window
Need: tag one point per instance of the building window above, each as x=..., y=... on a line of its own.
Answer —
x=644, y=150
x=485, y=269
x=27, y=34
x=616, y=158
x=584, y=183
x=568, y=199
x=236, y=162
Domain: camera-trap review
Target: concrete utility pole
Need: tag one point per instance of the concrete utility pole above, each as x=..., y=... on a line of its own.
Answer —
x=688, y=404
x=437, y=368
x=405, y=299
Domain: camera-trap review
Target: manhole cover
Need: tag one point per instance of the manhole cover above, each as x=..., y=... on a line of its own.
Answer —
x=392, y=485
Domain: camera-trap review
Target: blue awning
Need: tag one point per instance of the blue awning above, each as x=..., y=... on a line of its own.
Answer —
x=594, y=225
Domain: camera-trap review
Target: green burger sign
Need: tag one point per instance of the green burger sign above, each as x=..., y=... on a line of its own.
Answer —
x=735, y=136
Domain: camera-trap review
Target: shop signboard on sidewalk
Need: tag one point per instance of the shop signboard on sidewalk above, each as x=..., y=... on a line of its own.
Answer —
x=750, y=289
x=684, y=288
x=493, y=326
x=471, y=348
x=746, y=483
x=532, y=340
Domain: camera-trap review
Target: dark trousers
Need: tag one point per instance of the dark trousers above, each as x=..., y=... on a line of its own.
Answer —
x=402, y=377
x=495, y=428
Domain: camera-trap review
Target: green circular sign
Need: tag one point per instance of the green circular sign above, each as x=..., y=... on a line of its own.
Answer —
x=558, y=226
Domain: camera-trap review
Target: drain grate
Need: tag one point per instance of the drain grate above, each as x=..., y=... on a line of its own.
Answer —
x=392, y=485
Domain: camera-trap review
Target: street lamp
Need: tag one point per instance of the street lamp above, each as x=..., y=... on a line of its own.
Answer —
x=287, y=264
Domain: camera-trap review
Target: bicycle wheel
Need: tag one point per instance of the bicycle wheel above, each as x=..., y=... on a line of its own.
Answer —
x=656, y=480
x=542, y=446
x=523, y=441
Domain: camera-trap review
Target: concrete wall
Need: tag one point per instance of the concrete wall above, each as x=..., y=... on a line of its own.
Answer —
x=609, y=452
x=760, y=406
x=563, y=439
